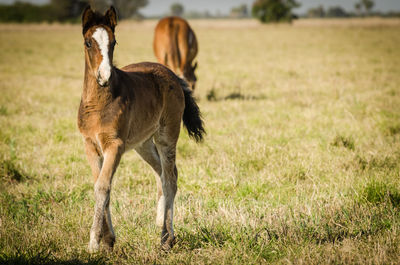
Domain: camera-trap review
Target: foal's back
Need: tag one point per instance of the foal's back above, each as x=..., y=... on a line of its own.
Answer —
x=155, y=79
x=160, y=93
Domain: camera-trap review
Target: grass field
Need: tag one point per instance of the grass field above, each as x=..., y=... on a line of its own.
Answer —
x=300, y=165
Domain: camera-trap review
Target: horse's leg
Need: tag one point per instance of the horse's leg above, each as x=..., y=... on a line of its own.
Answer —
x=166, y=146
x=149, y=154
x=108, y=231
x=96, y=162
x=102, y=189
x=94, y=158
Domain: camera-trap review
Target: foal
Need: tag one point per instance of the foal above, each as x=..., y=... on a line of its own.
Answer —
x=137, y=107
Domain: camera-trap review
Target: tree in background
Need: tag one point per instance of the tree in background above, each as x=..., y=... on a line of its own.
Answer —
x=25, y=12
x=56, y=10
x=368, y=5
x=128, y=8
x=64, y=10
x=99, y=5
x=357, y=7
x=274, y=10
x=364, y=6
x=177, y=9
x=125, y=8
x=336, y=11
x=316, y=12
x=240, y=11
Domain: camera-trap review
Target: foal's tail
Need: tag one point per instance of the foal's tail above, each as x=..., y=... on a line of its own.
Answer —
x=191, y=115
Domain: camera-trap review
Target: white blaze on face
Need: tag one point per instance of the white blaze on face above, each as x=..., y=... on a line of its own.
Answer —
x=101, y=37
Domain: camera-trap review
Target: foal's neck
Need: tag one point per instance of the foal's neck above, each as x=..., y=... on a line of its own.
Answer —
x=92, y=91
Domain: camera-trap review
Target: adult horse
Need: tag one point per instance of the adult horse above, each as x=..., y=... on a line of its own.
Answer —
x=137, y=107
x=175, y=45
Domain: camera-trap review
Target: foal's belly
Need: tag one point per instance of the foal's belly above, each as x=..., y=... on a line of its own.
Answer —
x=138, y=137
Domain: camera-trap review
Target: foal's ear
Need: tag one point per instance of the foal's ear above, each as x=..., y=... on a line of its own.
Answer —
x=87, y=16
x=111, y=17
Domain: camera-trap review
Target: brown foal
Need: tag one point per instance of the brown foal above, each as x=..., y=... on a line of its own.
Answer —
x=175, y=45
x=137, y=107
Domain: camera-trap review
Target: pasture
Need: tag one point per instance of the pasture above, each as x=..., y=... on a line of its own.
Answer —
x=300, y=164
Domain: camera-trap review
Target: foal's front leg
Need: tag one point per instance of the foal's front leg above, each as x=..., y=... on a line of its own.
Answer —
x=96, y=161
x=102, y=188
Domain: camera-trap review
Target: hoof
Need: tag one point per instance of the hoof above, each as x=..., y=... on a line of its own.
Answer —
x=93, y=247
x=109, y=243
x=168, y=244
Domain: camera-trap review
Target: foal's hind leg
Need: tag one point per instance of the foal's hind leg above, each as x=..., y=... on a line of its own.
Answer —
x=149, y=153
x=166, y=146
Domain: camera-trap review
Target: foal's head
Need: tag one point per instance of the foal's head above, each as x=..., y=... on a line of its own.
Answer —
x=98, y=33
x=190, y=76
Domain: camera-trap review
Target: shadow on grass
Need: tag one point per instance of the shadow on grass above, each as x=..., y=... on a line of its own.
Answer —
x=262, y=244
x=10, y=172
x=212, y=96
x=343, y=141
x=45, y=259
x=203, y=236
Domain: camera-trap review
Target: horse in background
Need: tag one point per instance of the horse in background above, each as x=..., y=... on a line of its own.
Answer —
x=138, y=107
x=175, y=45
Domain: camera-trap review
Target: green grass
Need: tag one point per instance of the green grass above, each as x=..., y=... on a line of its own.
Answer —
x=300, y=164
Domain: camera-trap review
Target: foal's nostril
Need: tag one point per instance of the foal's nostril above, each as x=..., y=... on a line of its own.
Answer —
x=100, y=81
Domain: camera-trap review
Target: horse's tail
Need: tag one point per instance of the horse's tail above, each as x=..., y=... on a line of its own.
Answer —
x=191, y=115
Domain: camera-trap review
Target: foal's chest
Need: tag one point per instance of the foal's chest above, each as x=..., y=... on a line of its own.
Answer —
x=93, y=120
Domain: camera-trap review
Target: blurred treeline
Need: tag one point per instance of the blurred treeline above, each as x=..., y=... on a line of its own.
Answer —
x=66, y=10
x=266, y=11
x=339, y=12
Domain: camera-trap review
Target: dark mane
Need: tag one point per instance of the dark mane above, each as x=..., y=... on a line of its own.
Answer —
x=97, y=19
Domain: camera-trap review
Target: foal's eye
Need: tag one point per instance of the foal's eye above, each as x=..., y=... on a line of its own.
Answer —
x=88, y=44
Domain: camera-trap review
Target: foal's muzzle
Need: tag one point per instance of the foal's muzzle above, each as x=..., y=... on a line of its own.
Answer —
x=102, y=81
